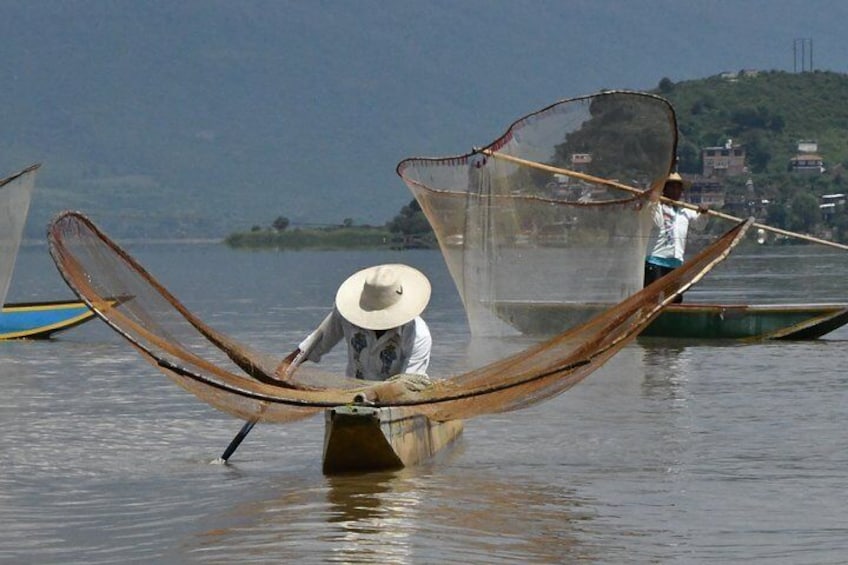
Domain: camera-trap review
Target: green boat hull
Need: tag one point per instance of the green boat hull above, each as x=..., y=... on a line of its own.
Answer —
x=690, y=321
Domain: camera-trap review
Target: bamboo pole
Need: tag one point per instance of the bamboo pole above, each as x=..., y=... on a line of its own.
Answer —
x=620, y=186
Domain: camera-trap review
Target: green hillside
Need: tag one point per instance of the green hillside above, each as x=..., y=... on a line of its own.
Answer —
x=768, y=113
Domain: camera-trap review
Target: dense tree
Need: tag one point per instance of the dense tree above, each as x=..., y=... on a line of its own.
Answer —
x=410, y=221
x=777, y=123
x=757, y=153
x=840, y=223
x=805, y=212
x=281, y=223
x=688, y=158
x=776, y=215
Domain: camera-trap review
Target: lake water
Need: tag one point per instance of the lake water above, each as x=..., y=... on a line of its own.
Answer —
x=674, y=452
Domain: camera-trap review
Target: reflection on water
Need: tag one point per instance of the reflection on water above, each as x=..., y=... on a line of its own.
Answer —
x=375, y=517
x=670, y=367
x=410, y=516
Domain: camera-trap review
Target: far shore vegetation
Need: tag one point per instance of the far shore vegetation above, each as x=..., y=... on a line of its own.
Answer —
x=409, y=229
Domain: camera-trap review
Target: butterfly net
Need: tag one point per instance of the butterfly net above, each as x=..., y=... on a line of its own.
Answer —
x=241, y=381
x=551, y=223
x=15, y=194
x=554, y=211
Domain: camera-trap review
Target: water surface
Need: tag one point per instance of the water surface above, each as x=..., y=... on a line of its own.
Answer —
x=675, y=452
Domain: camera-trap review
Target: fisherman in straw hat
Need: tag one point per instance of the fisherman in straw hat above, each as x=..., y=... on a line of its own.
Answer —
x=377, y=313
x=668, y=244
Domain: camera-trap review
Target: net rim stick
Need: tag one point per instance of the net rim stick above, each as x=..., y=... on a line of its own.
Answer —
x=19, y=174
x=614, y=184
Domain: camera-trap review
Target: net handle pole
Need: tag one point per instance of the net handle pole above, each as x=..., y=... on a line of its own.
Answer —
x=618, y=185
x=236, y=441
x=286, y=367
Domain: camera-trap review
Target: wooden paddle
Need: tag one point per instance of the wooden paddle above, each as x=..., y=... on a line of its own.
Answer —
x=284, y=369
x=236, y=441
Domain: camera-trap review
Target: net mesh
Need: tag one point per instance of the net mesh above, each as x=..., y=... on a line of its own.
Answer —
x=510, y=232
x=239, y=380
x=15, y=195
x=550, y=224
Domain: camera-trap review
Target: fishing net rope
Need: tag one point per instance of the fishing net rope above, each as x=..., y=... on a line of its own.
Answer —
x=240, y=381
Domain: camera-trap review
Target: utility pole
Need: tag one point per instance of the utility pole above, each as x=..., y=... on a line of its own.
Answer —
x=802, y=52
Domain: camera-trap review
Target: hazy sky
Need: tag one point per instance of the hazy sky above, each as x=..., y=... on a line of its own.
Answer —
x=305, y=107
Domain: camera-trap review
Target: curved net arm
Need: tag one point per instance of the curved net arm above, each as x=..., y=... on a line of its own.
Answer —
x=168, y=336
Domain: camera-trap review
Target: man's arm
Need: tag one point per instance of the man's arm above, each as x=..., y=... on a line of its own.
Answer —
x=419, y=356
x=328, y=333
x=702, y=217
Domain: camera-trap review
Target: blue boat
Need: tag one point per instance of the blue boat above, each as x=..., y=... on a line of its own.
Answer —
x=34, y=320
x=40, y=320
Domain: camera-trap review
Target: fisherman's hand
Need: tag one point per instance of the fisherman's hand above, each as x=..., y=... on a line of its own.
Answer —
x=654, y=195
x=281, y=372
x=703, y=208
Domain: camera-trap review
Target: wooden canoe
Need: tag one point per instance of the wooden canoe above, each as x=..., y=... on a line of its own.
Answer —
x=691, y=321
x=40, y=320
x=361, y=438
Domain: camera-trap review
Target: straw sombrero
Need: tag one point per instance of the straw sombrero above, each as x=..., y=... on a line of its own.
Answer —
x=383, y=297
x=675, y=177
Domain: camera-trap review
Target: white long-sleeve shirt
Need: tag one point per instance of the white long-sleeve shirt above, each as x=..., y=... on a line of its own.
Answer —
x=668, y=244
x=405, y=349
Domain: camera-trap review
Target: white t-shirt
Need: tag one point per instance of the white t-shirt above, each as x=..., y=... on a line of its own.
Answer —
x=405, y=349
x=669, y=239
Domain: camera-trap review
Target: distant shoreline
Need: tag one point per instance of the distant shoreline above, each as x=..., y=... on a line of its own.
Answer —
x=329, y=239
x=135, y=241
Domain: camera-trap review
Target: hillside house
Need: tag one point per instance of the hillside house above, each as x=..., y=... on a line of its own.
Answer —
x=807, y=160
x=725, y=161
x=831, y=203
x=812, y=164
x=705, y=191
x=580, y=161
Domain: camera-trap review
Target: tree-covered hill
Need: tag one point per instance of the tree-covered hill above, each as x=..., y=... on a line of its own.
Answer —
x=769, y=113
